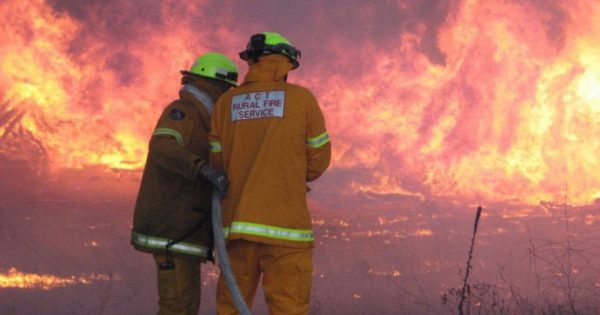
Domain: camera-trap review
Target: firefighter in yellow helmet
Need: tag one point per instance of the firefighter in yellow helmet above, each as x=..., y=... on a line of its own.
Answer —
x=172, y=212
x=269, y=136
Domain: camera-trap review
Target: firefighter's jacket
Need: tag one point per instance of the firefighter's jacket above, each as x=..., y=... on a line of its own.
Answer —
x=172, y=202
x=270, y=138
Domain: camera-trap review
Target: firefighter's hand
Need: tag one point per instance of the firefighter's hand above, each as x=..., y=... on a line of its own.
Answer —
x=215, y=177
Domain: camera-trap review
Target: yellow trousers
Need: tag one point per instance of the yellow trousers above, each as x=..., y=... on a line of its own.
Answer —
x=178, y=288
x=286, y=277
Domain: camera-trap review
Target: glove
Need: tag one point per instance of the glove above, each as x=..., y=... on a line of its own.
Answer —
x=216, y=177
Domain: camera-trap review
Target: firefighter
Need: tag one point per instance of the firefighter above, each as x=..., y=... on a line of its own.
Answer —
x=269, y=136
x=172, y=212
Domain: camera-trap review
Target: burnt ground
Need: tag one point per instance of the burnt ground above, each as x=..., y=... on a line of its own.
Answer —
x=375, y=254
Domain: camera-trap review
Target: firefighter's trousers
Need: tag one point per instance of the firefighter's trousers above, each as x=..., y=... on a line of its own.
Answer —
x=178, y=288
x=286, y=277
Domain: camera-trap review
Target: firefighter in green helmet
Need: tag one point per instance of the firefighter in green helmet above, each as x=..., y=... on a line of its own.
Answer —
x=172, y=213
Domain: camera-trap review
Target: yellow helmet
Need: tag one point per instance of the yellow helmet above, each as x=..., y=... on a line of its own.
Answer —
x=214, y=66
x=270, y=43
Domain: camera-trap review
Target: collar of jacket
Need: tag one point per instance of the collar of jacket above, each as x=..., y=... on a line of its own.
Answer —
x=195, y=95
x=272, y=67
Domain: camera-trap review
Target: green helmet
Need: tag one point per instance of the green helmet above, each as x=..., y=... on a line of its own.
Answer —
x=270, y=43
x=214, y=66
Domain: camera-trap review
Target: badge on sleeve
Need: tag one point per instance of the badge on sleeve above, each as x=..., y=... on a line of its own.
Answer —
x=177, y=114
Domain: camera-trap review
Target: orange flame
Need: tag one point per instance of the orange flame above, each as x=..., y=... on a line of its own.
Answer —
x=513, y=115
x=510, y=111
x=16, y=279
x=66, y=94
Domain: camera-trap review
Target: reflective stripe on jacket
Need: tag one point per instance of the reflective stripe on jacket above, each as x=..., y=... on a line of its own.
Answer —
x=160, y=243
x=271, y=139
x=269, y=232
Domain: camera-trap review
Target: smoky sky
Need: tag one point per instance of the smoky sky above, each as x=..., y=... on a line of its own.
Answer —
x=315, y=26
x=312, y=24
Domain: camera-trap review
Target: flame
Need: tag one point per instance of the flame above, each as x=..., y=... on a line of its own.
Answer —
x=394, y=273
x=487, y=101
x=79, y=99
x=423, y=232
x=16, y=279
x=512, y=115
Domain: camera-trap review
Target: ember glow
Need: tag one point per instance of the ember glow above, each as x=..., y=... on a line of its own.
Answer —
x=479, y=100
x=19, y=280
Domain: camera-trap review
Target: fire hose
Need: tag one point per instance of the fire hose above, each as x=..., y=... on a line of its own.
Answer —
x=219, y=239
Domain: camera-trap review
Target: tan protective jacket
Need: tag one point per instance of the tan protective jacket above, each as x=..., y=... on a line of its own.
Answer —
x=270, y=138
x=172, y=202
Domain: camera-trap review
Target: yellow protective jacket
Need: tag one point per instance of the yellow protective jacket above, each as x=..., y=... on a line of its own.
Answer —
x=172, y=202
x=270, y=138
